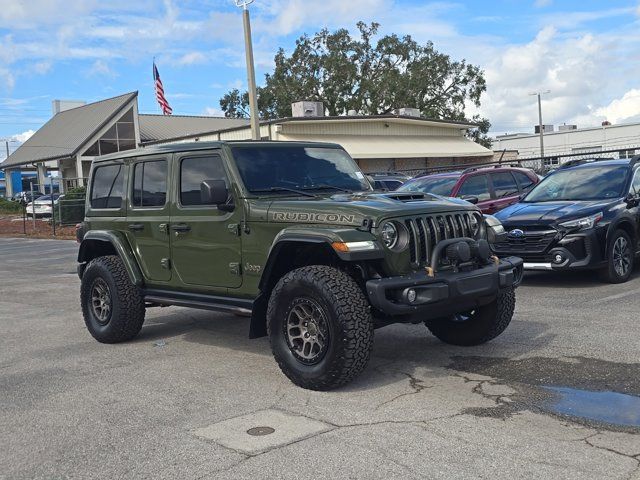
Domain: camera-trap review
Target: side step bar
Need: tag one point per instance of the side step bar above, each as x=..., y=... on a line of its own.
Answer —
x=239, y=306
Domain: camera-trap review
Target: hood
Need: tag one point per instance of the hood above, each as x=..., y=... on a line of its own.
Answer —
x=546, y=213
x=353, y=208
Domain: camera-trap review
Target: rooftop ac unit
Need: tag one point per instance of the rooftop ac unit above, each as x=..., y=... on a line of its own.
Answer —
x=564, y=128
x=409, y=112
x=307, y=109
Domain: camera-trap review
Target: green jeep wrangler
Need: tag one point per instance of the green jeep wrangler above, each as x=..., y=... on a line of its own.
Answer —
x=293, y=235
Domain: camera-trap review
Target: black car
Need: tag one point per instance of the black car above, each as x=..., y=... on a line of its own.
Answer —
x=585, y=215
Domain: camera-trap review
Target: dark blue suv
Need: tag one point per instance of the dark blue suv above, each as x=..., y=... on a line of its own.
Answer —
x=585, y=215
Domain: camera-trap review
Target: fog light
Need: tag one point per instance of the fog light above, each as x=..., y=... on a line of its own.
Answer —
x=558, y=258
x=411, y=295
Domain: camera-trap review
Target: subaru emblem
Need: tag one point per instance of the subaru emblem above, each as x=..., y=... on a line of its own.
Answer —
x=516, y=233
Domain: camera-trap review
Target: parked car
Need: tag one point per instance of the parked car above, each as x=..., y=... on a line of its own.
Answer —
x=26, y=196
x=291, y=234
x=42, y=205
x=491, y=188
x=586, y=215
x=387, y=182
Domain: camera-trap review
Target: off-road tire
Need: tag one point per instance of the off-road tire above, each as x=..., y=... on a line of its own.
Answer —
x=349, y=322
x=608, y=274
x=127, y=306
x=485, y=324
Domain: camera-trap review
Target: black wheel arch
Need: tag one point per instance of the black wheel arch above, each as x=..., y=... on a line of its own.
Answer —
x=100, y=243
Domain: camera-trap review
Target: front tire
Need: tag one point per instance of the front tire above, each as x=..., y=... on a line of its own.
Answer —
x=478, y=326
x=620, y=257
x=319, y=327
x=112, y=306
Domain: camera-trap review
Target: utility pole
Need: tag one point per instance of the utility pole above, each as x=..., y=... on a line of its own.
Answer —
x=251, y=73
x=6, y=144
x=540, y=127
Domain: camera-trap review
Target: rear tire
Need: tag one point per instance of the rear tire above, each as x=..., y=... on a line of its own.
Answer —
x=620, y=259
x=112, y=306
x=479, y=326
x=319, y=327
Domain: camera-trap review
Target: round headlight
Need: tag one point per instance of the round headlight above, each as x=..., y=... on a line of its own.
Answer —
x=389, y=235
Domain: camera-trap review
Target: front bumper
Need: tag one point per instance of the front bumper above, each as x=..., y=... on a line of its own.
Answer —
x=575, y=251
x=446, y=293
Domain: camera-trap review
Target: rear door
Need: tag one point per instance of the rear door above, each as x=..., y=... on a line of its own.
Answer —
x=205, y=241
x=148, y=217
x=505, y=190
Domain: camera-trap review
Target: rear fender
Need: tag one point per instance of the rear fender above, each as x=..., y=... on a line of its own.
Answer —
x=97, y=243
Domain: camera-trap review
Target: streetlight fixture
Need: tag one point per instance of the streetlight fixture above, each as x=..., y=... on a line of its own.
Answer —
x=251, y=73
x=540, y=127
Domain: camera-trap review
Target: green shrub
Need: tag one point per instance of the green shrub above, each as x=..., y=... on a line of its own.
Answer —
x=9, y=207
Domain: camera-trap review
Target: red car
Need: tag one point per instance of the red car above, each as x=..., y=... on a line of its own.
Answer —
x=491, y=188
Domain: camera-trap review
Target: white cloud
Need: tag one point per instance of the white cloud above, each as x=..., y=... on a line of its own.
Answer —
x=213, y=112
x=100, y=68
x=621, y=109
x=22, y=137
x=192, y=58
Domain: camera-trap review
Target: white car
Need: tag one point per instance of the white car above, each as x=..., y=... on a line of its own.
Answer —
x=42, y=205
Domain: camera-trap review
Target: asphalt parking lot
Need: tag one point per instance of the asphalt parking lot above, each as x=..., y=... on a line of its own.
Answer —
x=177, y=401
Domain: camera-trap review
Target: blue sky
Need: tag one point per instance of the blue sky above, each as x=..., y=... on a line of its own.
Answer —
x=585, y=52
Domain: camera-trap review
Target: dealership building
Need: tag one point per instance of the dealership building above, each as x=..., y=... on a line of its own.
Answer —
x=74, y=136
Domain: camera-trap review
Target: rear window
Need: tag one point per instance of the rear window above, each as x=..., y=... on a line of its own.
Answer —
x=150, y=184
x=107, y=187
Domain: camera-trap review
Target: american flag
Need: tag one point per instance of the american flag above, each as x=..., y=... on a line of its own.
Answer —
x=164, y=105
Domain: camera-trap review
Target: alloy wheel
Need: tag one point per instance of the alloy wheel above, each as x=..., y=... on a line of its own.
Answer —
x=307, y=330
x=621, y=256
x=101, y=301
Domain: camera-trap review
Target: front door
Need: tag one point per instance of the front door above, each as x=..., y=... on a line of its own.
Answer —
x=148, y=217
x=205, y=241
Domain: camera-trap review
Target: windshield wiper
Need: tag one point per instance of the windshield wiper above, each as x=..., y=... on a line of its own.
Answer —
x=324, y=186
x=283, y=189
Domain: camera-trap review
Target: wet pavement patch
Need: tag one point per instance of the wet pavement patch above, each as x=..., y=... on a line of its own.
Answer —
x=605, y=407
x=589, y=391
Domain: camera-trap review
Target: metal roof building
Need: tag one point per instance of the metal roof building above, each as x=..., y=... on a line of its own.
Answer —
x=72, y=138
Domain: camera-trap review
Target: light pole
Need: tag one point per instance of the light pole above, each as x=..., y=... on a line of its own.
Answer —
x=251, y=73
x=540, y=128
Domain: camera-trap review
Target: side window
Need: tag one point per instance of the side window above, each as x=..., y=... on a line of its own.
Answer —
x=150, y=184
x=475, y=186
x=635, y=184
x=525, y=182
x=504, y=185
x=192, y=173
x=107, y=187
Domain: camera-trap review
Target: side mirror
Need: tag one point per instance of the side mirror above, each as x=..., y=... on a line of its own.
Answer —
x=471, y=199
x=214, y=192
x=632, y=200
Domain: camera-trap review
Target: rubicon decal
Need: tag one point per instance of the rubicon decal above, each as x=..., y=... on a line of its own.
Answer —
x=334, y=218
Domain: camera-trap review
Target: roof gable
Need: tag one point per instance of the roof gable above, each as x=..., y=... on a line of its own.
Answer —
x=68, y=131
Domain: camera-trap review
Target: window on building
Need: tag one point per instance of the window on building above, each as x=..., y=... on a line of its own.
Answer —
x=120, y=137
x=628, y=153
x=475, y=186
x=150, y=184
x=107, y=187
x=504, y=185
x=193, y=171
x=551, y=161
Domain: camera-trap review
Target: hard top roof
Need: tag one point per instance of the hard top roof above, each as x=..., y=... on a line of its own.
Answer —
x=197, y=146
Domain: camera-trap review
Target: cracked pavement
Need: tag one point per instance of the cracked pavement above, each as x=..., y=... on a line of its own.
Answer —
x=73, y=408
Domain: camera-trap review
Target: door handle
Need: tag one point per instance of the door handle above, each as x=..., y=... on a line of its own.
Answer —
x=181, y=228
x=136, y=227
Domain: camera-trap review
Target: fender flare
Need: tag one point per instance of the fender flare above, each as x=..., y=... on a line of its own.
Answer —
x=120, y=245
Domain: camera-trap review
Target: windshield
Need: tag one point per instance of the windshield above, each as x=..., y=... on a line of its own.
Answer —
x=591, y=183
x=437, y=185
x=278, y=168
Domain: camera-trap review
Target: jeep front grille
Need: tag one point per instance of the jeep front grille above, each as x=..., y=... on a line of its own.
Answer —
x=425, y=232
